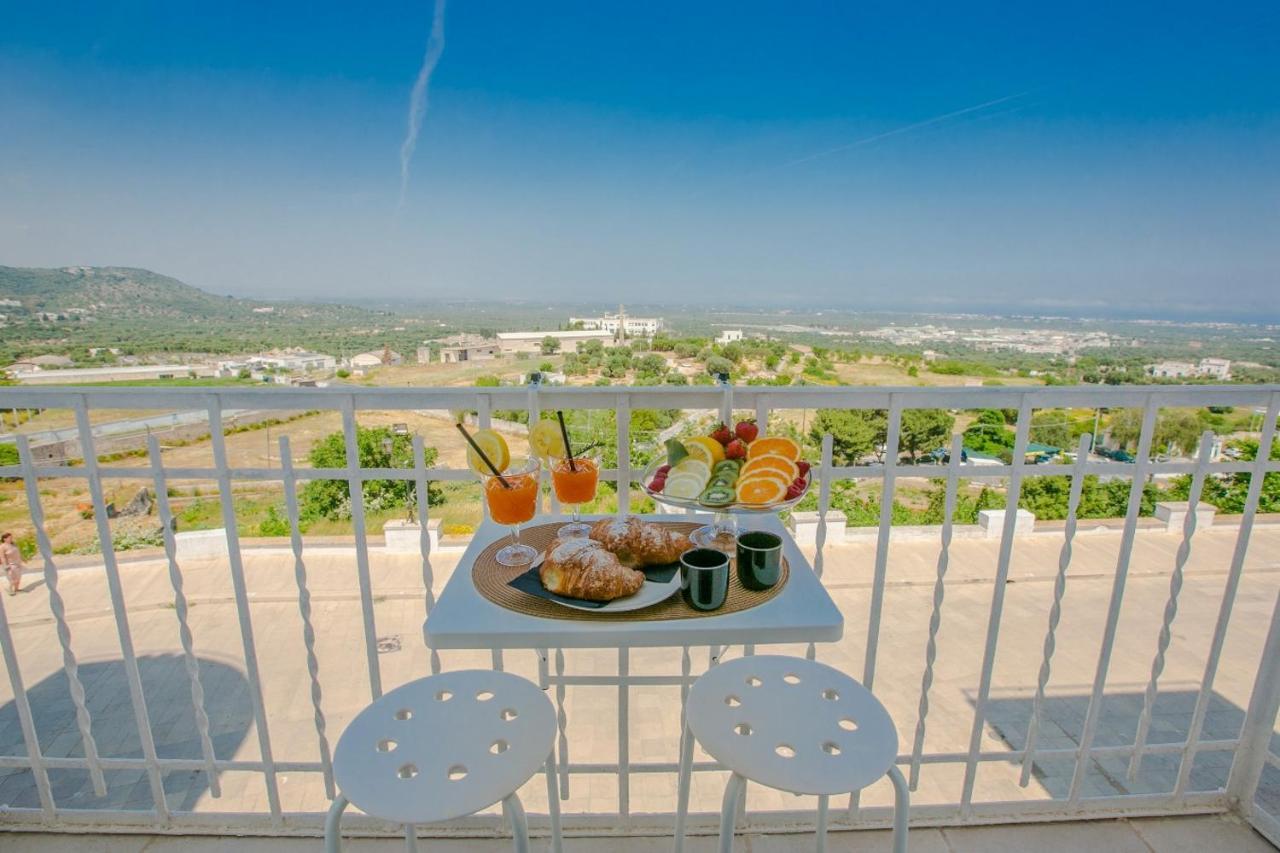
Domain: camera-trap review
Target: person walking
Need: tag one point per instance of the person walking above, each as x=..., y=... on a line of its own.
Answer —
x=11, y=559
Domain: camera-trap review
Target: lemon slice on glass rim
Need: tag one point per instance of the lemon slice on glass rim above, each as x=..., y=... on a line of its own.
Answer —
x=494, y=446
x=546, y=441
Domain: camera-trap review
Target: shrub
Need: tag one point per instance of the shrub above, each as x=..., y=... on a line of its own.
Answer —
x=274, y=524
x=377, y=447
x=456, y=529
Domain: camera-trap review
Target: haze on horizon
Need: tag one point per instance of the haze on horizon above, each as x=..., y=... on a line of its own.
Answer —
x=1087, y=158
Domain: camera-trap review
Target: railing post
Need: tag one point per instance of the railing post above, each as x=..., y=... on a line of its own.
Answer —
x=1259, y=721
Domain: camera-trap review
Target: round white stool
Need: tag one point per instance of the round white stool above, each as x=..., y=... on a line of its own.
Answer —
x=791, y=724
x=444, y=747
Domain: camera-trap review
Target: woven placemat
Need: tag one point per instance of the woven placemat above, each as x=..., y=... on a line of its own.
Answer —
x=492, y=579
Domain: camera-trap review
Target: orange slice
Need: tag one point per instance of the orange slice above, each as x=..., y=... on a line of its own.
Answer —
x=761, y=490
x=775, y=444
x=772, y=462
x=772, y=476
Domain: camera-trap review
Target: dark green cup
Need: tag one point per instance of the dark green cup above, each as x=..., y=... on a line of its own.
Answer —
x=759, y=559
x=704, y=578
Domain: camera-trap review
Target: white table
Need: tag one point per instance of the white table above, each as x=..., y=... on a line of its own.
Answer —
x=462, y=618
x=802, y=612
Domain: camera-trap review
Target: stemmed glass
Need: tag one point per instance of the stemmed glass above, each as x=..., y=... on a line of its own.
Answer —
x=574, y=480
x=513, y=500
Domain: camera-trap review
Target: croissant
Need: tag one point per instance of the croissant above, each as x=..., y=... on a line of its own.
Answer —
x=640, y=543
x=583, y=568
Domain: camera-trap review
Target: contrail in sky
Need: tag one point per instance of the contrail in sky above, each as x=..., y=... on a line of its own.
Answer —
x=867, y=140
x=418, y=97
x=896, y=131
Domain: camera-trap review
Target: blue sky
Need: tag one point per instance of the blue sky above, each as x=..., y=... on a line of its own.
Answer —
x=744, y=153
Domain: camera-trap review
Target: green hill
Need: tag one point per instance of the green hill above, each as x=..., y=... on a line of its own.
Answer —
x=110, y=291
x=68, y=310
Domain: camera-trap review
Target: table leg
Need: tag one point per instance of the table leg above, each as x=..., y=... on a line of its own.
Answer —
x=553, y=803
x=682, y=786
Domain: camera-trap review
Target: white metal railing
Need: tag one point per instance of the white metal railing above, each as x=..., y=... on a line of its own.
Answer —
x=1250, y=747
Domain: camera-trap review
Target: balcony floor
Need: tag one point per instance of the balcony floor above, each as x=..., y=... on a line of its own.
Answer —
x=1145, y=835
x=655, y=711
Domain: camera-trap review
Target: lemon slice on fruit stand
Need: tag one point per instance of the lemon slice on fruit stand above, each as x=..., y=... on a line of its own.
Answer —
x=494, y=446
x=686, y=486
x=712, y=447
x=699, y=451
x=546, y=441
x=696, y=467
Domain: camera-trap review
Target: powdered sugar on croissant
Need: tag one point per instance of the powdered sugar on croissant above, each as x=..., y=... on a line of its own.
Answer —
x=583, y=568
x=640, y=543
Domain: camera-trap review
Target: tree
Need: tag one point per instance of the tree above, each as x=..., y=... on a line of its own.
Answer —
x=651, y=365
x=925, y=430
x=854, y=432
x=550, y=345
x=377, y=447
x=1051, y=427
x=1125, y=426
x=1178, y=428
x=718, y=364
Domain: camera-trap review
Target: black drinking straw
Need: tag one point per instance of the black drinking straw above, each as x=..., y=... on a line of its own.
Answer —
x=494, y=468
x=567, y=449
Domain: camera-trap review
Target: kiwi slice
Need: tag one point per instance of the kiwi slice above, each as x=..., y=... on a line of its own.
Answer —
x=717, y=495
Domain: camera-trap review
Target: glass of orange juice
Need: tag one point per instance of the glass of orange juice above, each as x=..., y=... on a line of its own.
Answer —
x=575, y=484
x=513, y=503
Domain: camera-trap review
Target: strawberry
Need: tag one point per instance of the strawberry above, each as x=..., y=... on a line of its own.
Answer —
x=794, y=491
x=722, y=434
x=657, y=484
x=735, y=449
x=662, y=472
x=804, y=468
x=798, y=483
x=747, y=431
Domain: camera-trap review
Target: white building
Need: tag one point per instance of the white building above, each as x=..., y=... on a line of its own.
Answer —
x=364, y=362
x=531, y=342
x=729, y=336
x=459, y=348
x=1218, y=368
x=1171, y=369
x=632, y=327
x=287, y=361
x=1211, y=368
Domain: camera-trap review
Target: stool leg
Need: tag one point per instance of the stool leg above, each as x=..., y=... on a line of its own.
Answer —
x=333, y=825
x=822, y=823
x=729, y=810
x=553, y=802
x=682, y=786
x=519, y=824
x=901, y=809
